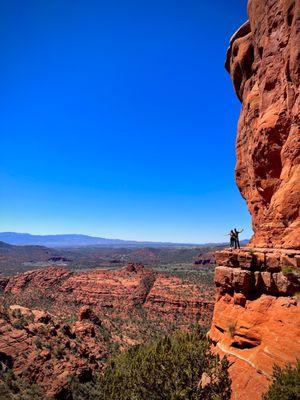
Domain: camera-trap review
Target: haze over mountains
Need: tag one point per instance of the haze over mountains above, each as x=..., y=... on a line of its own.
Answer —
x=67, y=240
x=75, y=240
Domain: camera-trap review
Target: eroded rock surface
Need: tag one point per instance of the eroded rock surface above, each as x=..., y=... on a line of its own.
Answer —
x=256, y=320
x=264, y=63
x=55, y=323
x=47, y=350
x=112, y=291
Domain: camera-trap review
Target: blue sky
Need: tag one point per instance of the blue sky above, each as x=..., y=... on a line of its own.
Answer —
x=118, y=119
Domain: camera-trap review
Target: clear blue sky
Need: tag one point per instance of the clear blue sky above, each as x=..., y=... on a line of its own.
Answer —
x=118, y=119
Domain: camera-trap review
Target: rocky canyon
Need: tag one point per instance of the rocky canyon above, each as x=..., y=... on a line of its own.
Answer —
x=56, y=324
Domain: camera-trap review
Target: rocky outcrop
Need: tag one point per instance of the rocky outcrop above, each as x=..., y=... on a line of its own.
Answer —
x=256, y=272
x=47, y=351
x=172, y=297
x=264, y=63
x=112, y=291
x=256, y=320
x=39, y=279
x=121, y=290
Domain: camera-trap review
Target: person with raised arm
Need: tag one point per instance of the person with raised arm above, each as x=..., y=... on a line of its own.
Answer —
x=236, y=234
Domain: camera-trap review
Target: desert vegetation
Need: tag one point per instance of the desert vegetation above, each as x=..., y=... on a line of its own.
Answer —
x=286, y=384
x=176, y=260
x=178, y=367
x=15, y=388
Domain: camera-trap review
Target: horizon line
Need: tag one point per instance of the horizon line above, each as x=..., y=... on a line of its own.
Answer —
x=109, y=238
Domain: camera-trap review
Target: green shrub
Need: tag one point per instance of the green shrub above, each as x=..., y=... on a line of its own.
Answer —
x=289, y=270
x=232, y=329
x=59, y=352
x=38, y=343
x=14, y=388
x=16, y=313
x=5, y=393
x=286, y=384
x=168, y=369
x=17, y=324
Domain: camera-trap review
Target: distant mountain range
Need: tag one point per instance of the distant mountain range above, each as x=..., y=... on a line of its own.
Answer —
x=74, y=240
x=77, y=240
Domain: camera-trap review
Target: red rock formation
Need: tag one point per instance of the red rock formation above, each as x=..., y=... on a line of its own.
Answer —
x=255, y=335
x=120, y=291
x=41, y=279
x=207, y=258
x=112, y=308
x=171, y=297
x=46, y=350
x=264, y=63
x=256, y=320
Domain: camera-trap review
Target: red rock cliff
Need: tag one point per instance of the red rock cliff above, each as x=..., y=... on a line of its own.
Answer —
x=256, y=320
x=264, y=63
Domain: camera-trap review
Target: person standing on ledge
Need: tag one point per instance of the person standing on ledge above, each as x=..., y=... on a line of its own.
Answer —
x=237, y=242
x=232, y=239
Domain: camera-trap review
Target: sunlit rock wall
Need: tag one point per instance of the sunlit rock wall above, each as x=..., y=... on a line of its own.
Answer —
x=263, y=60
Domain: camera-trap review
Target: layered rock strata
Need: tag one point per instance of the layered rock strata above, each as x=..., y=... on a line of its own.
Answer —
x=112, y=291
x=256, y=320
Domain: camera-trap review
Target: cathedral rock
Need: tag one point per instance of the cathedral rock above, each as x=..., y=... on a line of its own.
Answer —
x=256, y=320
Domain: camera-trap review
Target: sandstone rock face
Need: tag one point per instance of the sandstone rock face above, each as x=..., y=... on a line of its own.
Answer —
x=256, y=320
x=252, y=336
x=264, y=63
x=189, y=300
x=41, y=279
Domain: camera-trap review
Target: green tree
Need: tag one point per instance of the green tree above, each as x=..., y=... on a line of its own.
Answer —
x=168, y=369
x=13, y=388
x=286, y=384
